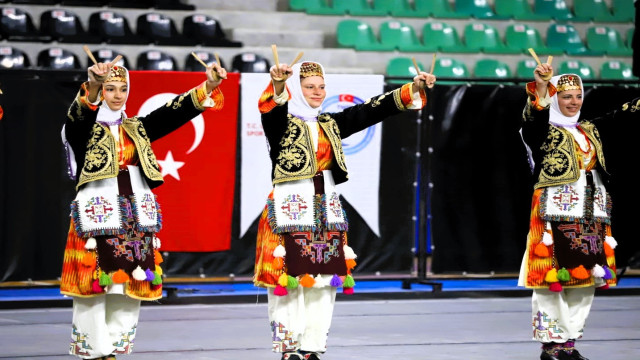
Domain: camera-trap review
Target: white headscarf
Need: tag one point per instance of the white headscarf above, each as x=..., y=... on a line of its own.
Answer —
x=112, y=117
x=298, y=105
x=555, y=115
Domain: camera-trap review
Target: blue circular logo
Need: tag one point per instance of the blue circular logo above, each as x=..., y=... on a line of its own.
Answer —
x=359, y=140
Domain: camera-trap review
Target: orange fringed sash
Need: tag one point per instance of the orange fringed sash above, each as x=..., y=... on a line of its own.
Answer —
x=266, y=102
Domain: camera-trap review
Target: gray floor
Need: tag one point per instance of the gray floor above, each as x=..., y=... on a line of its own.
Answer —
x=470, y=329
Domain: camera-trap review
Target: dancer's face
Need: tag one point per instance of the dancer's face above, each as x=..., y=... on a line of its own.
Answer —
x=313, y=90
x=570, y=102
x=115, y=94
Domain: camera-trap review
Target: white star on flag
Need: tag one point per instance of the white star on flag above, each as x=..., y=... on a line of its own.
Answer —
x=170, y=166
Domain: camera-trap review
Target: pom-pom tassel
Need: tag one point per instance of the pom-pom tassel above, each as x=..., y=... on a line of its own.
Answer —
x=347, y=290
x=149, y=275
x=541, y=250
x=555, y=287
x=608, y=251
x=349, y=282
x=120, y=277
x=139, y=274
x=95, y=286
x=157, y=279
x=292, y=282
x=607, y=273
x=598, y=271
x=158, y=270
x=156, y=242
x=547, y=239
x=319, y=282
x=604, y=287
x=90, y=244
x=349, y=254
x=552, y=276
x=279, y=251
x=351, y=264
x=158, y=257
x=611, y=241
x=307, y=281
x=278, y=263
x=105, y=279
x=89, y=260
x=283, y=280
x=564, y=275
x=280, y=291
x=580, y=273
x=335, y=281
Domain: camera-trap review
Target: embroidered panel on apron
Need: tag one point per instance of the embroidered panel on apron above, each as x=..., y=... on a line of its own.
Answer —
x=126, y=251
x=315, y=253
x=578, y=244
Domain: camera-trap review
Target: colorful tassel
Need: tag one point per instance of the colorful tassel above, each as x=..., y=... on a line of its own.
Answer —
x=158, y=270
x=347, y=291
x=351, y=264
x=89, y=260
x=149, y=275
x=105, y=279
x=608, y=250
x=307, y=281
x=349, y=282
x=611, y=241
x=279, y=251
x=597, y=271
x=157, y=279
x=541, y=250
x=278, y=263
x=283, y=280
x=349, y=254
x=552, y=276
x=580, y=273
x=564, y=275
x=292, y=282
x=555, y=287
x=604, y=287
x=139, y=274
x=90, y=244
x=319, y=282
x=280, y=291
x=335, y=281
x=607, y=272
x=158, y=257
x=547, y=239
x=95, y=286
x=120, y=277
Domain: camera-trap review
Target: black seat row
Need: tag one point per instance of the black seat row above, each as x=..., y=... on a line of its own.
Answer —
x=139, y=4
x=57, y=58
x=113, y=28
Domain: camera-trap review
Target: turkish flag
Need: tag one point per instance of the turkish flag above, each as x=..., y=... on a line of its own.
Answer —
x=198, y=161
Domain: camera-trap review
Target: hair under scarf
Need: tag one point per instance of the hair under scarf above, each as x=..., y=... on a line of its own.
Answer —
x=298, y=105
x=556, y=117
x=105, y=114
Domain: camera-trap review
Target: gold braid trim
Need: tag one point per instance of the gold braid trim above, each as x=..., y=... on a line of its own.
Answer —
x=295, y=154
x=332, y=132
x=100, y=160
x=148, y=161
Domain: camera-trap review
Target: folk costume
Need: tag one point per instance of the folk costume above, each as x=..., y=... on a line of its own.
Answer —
x=302, y=255
x=111, y=259
x=570, y=248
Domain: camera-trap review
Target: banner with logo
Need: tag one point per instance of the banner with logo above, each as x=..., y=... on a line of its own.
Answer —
x=362, y=149
x=197, y=162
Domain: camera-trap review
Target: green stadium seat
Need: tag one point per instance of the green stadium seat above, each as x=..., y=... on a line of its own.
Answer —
x=358, y=8
x=357, y=34
x=321, y=7
x=576, y=67
x=298, y=5
x=629, y=40
x=402, y=67
x=521, y=37
x=608, y=40
x=596, y=10
x=437, y=8
x=485, y=38
x=440, y=36
x=616, y=70
x=556, y=9
x=479, y=9
x=518, y=9
x=402, y=8
x=400, y=35
x=623, y=10
x=491, y=68
x=565, y=37
x=450, y=68
x=524, y=69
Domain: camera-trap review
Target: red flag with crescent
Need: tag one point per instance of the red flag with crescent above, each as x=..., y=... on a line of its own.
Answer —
x=197, y=161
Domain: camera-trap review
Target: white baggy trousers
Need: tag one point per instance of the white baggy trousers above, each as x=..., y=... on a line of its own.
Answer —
x=560, y=316
x=103, y=325
x=301, y=319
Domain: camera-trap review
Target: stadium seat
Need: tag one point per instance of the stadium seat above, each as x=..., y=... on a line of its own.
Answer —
x=437, y=8
x=58, y=59
x=206, y=31
x=479, y=9
x=173, y=5
x=399, y=35
x=17, y=25
x=616, y=70
x=160, y=29
x=402, y=8
x=298, y=5
x=191, y=64
x=592, y=10
x=156, y=60
x=85, y=3
x=450, y=68
x=565, y=37
x=522, y=37
x=250, y=63
x=362, y=7
x=135, y=4
x=64, y=26
x=524, y=69
x=485, y=38
x=113, y=28
x=107, y=55
x=629, y=40
x=623, y=10
x=556, y=9
x=517, y=9
x=321, y=7
x=12, y=58
x=608, y=40
x=491, y=68
x=357, y=34
x=440, y=36
x=402, y=67
x=576, y=67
